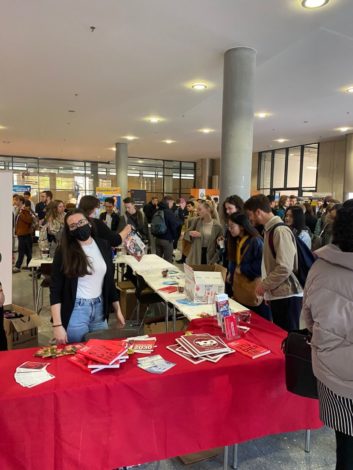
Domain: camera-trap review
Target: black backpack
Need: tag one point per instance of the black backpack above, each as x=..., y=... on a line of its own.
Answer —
x=305, y=257
x=158, y=225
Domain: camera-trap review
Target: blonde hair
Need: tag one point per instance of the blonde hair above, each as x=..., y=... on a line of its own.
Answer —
x=210, y=205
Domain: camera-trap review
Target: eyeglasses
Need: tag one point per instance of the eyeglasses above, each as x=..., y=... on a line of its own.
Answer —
x=80, y=223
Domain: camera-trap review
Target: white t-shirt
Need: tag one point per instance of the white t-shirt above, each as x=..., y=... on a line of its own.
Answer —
x=90, y=286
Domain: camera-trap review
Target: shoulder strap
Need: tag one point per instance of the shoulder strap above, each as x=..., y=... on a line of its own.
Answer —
x=270, y=238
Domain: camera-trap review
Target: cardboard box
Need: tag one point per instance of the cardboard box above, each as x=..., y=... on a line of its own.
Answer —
x=21, y=332
x=159, y=327
x=127, y=298
x=204, y=282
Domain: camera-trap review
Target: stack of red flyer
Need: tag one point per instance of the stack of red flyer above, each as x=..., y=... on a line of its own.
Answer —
x=100, y=354
x=248, y=348
x=201, y=347
x=141, y=344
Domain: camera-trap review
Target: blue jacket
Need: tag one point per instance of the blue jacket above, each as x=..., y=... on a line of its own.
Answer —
x=171, y=222
x=250, y=265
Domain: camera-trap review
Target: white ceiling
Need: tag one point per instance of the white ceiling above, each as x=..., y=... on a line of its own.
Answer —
x=137, y=62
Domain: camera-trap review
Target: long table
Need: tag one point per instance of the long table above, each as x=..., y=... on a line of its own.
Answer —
x=129, y=416
x=150, y=268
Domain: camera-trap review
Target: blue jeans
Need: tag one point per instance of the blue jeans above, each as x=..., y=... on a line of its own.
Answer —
x=86, y=316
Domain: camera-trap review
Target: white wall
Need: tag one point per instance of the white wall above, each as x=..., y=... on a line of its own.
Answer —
x=6, y=234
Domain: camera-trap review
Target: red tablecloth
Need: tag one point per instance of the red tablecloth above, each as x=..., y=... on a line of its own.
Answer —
x=129, y=416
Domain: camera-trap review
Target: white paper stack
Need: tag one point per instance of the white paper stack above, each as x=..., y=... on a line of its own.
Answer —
x=29, y=374
x=154, y=364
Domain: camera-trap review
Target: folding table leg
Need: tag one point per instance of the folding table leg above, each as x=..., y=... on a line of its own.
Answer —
x=235, y=456
x=166, y=317
x=174, y=318
x=307, y=440
x=225, y=457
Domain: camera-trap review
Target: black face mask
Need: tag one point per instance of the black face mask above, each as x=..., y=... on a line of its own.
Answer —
x=81, y=233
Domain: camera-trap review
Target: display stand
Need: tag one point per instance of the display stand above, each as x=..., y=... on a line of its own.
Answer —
x=6, y=234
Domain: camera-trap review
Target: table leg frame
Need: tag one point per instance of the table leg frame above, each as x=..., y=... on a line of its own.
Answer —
x=307, y=440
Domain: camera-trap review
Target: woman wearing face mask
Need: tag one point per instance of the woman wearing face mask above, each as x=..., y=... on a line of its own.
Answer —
x=246, y=263
x=82, y=289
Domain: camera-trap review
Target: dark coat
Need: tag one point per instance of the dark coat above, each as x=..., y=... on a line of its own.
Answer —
x=63, y=289
x=250, y=264
x=171, y=222
x=115, y=220
x=149, y=209
x=104, y=232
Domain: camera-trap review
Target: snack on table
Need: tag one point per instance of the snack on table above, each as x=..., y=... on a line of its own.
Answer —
x=58, y=351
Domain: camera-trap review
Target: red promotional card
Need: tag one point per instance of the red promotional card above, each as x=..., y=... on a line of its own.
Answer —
x=248, y=348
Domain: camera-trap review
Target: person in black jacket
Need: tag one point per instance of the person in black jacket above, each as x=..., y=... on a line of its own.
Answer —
x=164, y=243
x=3, y=340
x=109, y=217
x=150, y=208
x=82, y=287
x=133, y=217
x=90, y=207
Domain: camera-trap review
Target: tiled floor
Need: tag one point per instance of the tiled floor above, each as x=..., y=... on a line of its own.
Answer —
x=285, y=451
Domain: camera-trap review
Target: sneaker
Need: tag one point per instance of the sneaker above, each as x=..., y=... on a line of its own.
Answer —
x=16, y=270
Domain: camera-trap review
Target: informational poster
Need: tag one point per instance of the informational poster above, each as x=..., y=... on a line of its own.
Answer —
x=114, y=192
x=21, y=188
x=139, y=196
x=6, y=234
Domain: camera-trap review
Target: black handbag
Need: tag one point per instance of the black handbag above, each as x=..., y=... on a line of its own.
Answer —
x=300, y=378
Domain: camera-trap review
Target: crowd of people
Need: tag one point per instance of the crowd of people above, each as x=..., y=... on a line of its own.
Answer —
x=258, y=241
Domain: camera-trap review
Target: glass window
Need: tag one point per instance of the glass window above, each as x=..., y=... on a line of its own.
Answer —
x=293, y=174
x=279, y=168
x=265, y=170
x=310, y=166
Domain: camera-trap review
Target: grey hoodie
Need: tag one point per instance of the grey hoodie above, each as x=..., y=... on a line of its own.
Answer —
x=328, y=313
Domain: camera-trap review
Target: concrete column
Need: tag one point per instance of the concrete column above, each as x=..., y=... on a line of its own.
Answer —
x=121, y=163
x=348, y=173
x=205, y=173
x=237, y=121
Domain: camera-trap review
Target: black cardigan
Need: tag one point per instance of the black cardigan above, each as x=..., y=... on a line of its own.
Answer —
x=63, y=289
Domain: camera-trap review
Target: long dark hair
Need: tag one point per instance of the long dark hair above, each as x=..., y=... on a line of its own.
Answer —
x=243, y=221
x=75, y=262
x=298, y=219
x=343, y=229
x=235, y=201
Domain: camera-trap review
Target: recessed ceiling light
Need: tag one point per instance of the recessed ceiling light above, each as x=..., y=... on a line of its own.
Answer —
x=314, y=3
x=168, y=141
x=199, y=86
x=3, y=127
x=350, y=89
x=140, y=161
x=262, y=115
x=343, y=129
x=130, y=137
x=281, y=140
x=154, y=119
x=112, y=148
x=206, y=130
